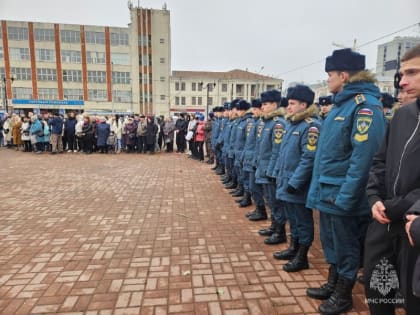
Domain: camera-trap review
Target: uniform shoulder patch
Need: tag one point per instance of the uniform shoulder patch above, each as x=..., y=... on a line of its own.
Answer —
x=275, y=118
x=360, y=99
x=309, y=120
x=278, y=133
x=365, y=111
x=363, y=123
x=313, y=135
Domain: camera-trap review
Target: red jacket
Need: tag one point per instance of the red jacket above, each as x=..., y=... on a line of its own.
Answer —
x=199, y=133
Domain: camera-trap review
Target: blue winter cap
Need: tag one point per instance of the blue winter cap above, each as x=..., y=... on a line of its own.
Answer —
x=256, y=103
x=243, y=105
x=271, y=96
x=201, y=118
x=301, y=93
x=325, y=100
x=345, y=60
x=226, y=106
x=211, y=115
x=284, y=102
x=234, y=103
x=387, y=100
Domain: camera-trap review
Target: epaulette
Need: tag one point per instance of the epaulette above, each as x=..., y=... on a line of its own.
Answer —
x=359, y=99
x=309, y=120
x=275, y=118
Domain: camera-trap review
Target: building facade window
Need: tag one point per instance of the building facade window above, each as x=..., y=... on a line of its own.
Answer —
x=162, y=41
x=47, y=94
x=121, y=96
x=199, y=100
x=183, y=86
x=270, y=87
x=210, y=100
x=176, y=100
x=120, y=59
x=224, y=87
x=96, y=77
x=68, y=36
x=73, y=94
x=1, y=53
x=19, y=54
x=46, y=74
x=44, y=35
x=121, y=77
x=200, y=87
x=183, y=100
x=71, y=56
x=17, y=33
x=193, y=86
x=72, y=75
x=193, y=100
x=95, y=57
x=162, y=97
x=224, y=100
x=176, y=86
x=47, y=55
x=162, y=79
x=119, y=39
x=145, y=40
x=97, y=95
x=145, y=60
x=162, y=60
x=22, y=93
x=22, y=73
x=97, y=38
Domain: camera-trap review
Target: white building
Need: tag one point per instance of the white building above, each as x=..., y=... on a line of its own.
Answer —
x=199, y=91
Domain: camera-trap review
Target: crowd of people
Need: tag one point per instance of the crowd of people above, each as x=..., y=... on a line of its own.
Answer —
x=354, y=159
x=352, y=156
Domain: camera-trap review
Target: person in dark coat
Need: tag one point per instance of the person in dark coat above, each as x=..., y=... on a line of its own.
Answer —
x=87, y=135
x=102, y=133
x=181, y=130
x=412, y=227
x=152, y=130
x=168, y=132
x=70, y=132
x=130, y=131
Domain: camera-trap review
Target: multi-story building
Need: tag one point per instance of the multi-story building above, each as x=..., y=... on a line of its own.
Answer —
x=199, y=91
x=390, y=53
x=47, y=66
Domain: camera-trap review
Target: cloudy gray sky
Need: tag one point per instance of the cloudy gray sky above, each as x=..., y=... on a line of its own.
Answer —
x=271, y=37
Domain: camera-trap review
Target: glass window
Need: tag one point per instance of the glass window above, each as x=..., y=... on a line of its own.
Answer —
x=95, y=57
x=176, y=86
x=183, y=100
x=21, y=73
x=162, y=41
x=71, y=56
x=200, y=87
x=2, y=73
x=68, y=36
x=224, y=87
x=120, y=59
x=176, y=100
x=210, y=100
x=45, y=55
x=224, y=100
x=73, y=94
x=121, y=96
x=44, y=34
x=95, y=38
x=145, y=60
x=97, y=95
x=193, y=86
x=162, y=79
x=145, y=40
x=182, y=86
x=19, y=54
x=162, y=97
x=72, y=75
x=121, y=77
x=47, y=94
x=193, y=100
x=119, y=39
x=199, y=100
x=17, y=33
x=96, y=77
x=45, y=74
x=1, y=53
x=22, y=93
x=162, y=60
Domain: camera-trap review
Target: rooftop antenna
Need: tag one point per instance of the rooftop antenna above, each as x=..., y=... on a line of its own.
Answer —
x=164, y=7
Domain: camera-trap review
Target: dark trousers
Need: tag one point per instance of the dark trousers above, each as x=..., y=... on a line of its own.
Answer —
x=301, y=223
x=246, y=184
x=180, y=141
x=276, y=206
x=87, y=144
x=169, y=146
x=388, y=255
x=71, y=142
x=192, y=147
x=256, y=190
x=199, y=153
x=27, y=146
x=340, y=238
x=150, y=147
x=141, y=144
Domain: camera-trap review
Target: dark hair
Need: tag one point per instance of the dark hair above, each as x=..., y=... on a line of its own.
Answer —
x=411, y=54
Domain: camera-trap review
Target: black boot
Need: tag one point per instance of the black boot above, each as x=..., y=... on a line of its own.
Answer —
x=239, y=200
x=260, y=214
x=231, y=185
x=220, y=171
x=278, y=237
x=246, y=200
x=216, y=167
x=239, y=192
x=325, y=291
x=340, y=300
x=268, y=231
x=300, y=261
x=288, y=253
x=210, y=161
x=250, y=213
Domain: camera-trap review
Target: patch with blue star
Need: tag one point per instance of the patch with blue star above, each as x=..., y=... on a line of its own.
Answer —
x=278, y=133
x=313, y=135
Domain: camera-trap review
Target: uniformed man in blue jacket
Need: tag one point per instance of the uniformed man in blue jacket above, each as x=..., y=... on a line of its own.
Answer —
x=351, y=135
x=230, y=181
x=293, y=172
x=269, y=137
x=220, y=138
x=215, y=134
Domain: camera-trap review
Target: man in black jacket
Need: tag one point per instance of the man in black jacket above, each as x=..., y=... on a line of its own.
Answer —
x=181, y=130
x=393, y=188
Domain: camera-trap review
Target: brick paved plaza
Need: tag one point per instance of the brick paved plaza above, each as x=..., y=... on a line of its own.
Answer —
x=137, y=234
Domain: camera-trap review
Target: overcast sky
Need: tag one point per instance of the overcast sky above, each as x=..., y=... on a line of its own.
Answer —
x=270, y=37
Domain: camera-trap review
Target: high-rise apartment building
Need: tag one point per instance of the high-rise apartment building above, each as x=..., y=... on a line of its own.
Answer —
x=49, y=66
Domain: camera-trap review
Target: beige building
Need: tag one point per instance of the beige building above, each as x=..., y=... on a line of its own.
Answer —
x=47, y=66
x=200, y=91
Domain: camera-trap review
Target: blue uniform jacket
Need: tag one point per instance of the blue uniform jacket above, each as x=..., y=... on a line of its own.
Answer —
x=240, y=137
x=56, y=124
x=248, y=154
x=232, y=137
x=296, y=156
x=269, y=135
x=352, y=133
x=227, y=126
x=215, y=132
x=220, y=136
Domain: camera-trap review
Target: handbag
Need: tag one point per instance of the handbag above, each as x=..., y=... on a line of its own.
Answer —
x=189, y=135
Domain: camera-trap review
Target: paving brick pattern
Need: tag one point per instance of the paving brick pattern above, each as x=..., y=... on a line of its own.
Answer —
x=137, y=234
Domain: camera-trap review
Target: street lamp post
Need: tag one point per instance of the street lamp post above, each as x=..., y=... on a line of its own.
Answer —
x=4, y=85
x=208, y=86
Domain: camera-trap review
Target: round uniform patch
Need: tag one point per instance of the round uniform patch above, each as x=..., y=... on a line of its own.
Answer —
x=363, y=123
x=278, y=133
x=313, y=135
x=260, y=129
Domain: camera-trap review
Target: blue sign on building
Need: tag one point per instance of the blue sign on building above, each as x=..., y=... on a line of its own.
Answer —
x=48, y=102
